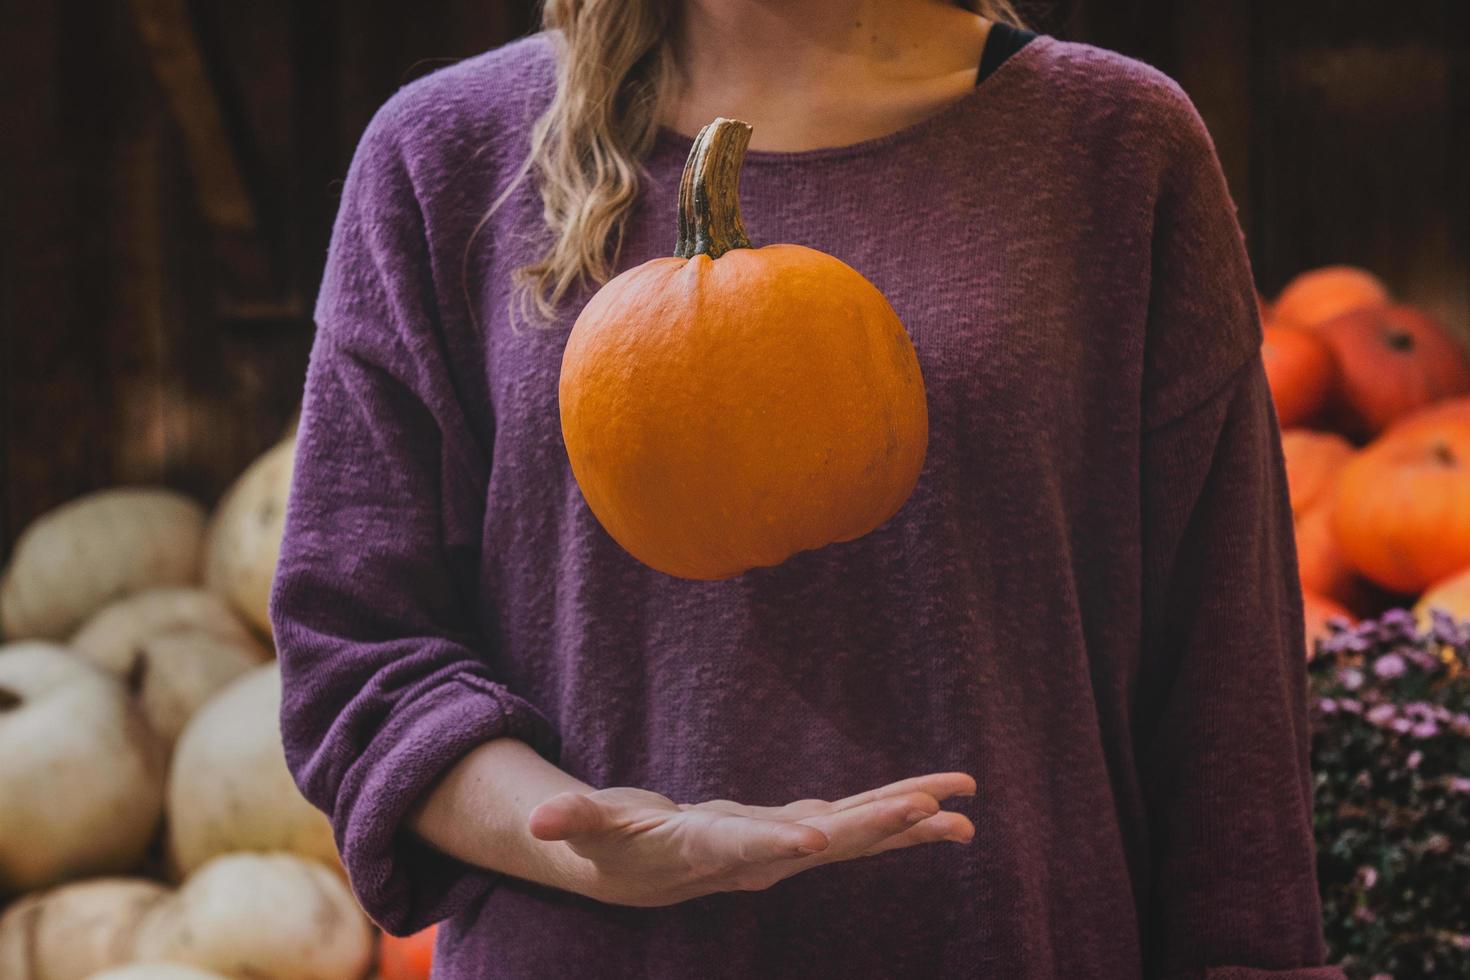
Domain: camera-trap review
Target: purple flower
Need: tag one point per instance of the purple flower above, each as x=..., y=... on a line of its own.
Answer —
x=1398, y=624
x=1419, y=710
x=1401, y=725
x=1460, y=784
x=1351, y=706
x=1389, y=666
x=1367, y=876
x=1381, y=714
x=1350, y=678
x=1327, y=706
x=1415, y=757
x=1423, y=659
x=1460, y=724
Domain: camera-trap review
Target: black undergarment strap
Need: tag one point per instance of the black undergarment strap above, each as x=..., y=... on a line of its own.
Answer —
x=1002, y=42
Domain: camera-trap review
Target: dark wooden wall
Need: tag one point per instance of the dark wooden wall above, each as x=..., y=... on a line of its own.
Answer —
x=171, y=169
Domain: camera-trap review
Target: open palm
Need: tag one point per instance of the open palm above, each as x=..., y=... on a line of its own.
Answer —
x=649, y=851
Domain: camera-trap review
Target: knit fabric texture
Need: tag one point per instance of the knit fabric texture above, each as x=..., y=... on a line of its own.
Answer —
x=1089, y=603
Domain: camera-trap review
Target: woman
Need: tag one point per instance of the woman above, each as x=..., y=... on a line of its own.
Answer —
x=1048, y=721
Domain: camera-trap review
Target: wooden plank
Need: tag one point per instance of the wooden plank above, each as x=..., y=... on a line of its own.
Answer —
x=174, y=55
x=51, y=256
x=1356, y=160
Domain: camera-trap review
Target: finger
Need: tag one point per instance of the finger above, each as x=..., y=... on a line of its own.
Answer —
x=859, y=827
x=940, y=785
x=567, y=816
x=946, y=825
x=739, y=840
x=791, y=811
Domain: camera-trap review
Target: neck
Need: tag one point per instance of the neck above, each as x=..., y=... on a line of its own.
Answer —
x=792, y=35
x=785, y=65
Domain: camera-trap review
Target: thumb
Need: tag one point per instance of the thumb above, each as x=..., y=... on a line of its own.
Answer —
x=566, y=815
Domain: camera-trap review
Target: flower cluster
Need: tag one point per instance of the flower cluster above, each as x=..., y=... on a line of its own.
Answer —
x=1391, y=762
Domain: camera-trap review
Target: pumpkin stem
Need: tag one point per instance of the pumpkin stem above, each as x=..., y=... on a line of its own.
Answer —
x=9, y=699
x=137, y=674
x=1400, y=340
x=709, y=191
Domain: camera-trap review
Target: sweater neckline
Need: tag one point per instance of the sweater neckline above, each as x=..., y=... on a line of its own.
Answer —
x=678, y=143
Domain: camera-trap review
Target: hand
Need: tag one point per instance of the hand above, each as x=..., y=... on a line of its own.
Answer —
x=642, y=849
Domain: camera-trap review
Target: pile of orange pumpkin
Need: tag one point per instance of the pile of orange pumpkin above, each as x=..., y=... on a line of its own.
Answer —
x=1373, y=398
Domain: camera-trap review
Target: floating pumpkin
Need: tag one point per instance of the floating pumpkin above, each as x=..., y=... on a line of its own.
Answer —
x=1392, y=361
x=1323, y=568
x=1401, y=507
x=1316, y=611
x=731, y=406
x=1313, y=460
x=407, y=957
x=1451, y=594
x=1301, y=370
x=1318, y=295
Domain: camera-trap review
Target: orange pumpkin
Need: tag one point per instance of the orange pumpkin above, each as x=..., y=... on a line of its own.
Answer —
x=407, y=958
x=731, y=406
x=1313, y=460
x=1431, y=415
x=1452, y=594
x=1401, y=507
x=1316, y=296
x=1321, y=564
x=1317, y=610
x=1300, y=368
x=1392, y=360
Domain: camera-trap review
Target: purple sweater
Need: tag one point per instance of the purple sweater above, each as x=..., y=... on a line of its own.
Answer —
x=1089, y=603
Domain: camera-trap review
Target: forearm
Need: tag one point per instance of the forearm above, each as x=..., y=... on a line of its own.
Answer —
x=478, y=813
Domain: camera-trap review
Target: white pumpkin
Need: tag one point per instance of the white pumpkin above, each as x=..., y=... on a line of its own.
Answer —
x=71, y=932
x=267, y=916
x=111, y=635
x=229, y=788
x=81, y=773
x=243, y=541
x=173, y=674
x=157, y=971
x=71, y=561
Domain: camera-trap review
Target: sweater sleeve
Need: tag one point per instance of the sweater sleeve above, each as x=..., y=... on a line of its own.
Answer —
x=385, y=674
x=1223, y=743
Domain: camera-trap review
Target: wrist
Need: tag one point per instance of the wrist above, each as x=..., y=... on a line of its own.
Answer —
x=570, y=871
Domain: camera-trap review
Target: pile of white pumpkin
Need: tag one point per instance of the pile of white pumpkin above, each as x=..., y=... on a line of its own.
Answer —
x=149, y=827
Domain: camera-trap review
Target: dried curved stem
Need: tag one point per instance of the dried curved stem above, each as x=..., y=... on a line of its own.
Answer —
x=709, y=191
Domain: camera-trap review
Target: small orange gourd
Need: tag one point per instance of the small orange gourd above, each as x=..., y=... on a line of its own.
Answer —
x=1401, y=507
x=1318, y=295
x=1300, y=371
x=1313, y=460
x=407, y=957
x=1393, y=360
x=730, y=406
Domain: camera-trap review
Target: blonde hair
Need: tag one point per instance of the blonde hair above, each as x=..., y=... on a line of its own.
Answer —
x=614, y=64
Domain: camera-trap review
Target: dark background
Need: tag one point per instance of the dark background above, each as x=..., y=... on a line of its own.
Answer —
x=171, y=170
